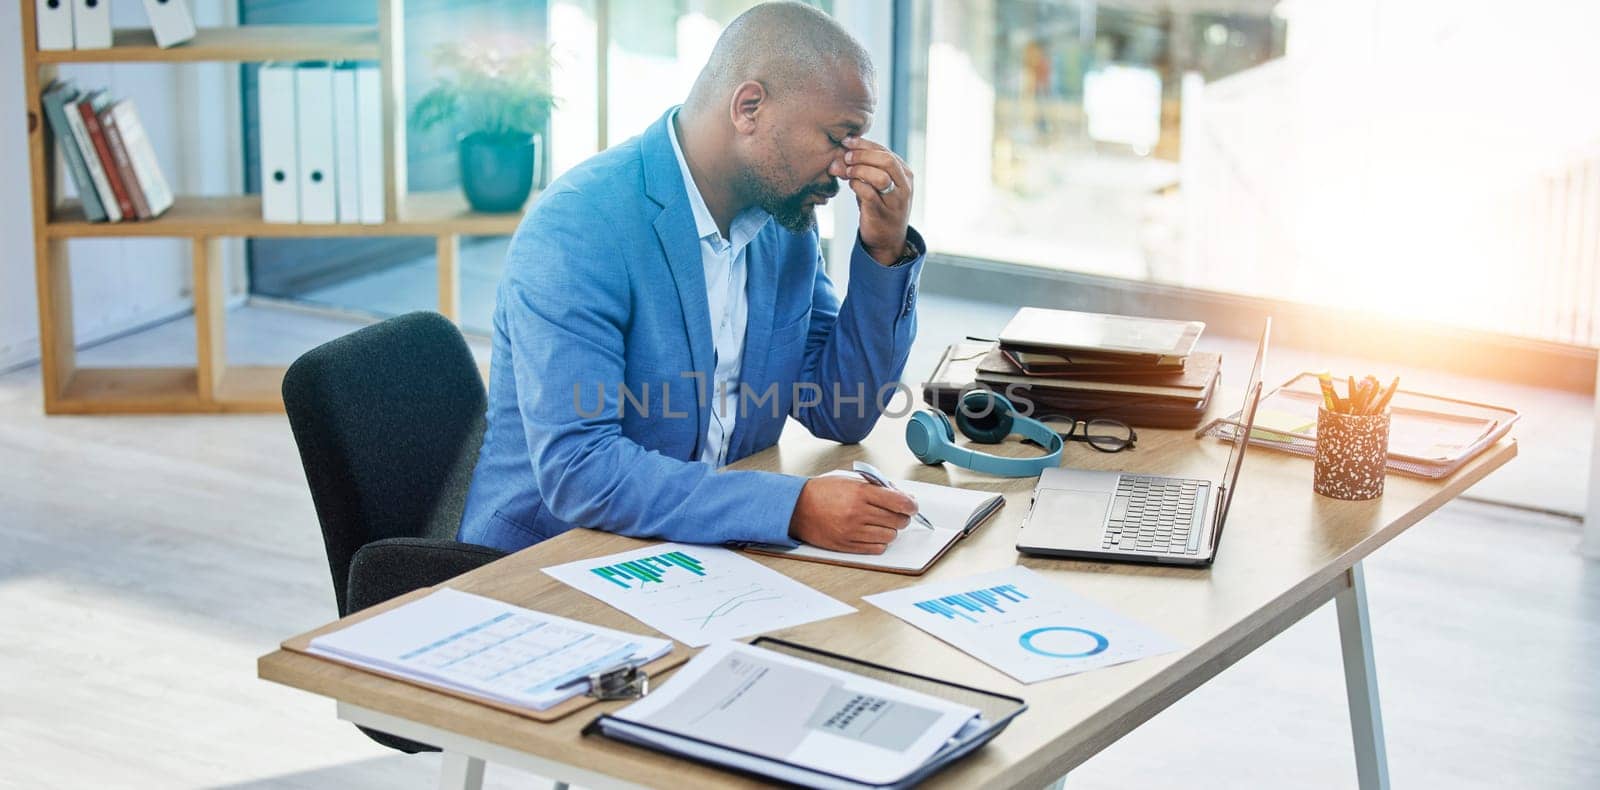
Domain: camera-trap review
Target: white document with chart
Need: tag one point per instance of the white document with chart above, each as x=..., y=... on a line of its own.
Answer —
x=792, y=720
x=1022, y=624
x=487, y=648
x=698, y=594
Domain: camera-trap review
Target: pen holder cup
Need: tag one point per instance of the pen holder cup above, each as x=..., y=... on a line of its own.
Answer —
x=1352, y=454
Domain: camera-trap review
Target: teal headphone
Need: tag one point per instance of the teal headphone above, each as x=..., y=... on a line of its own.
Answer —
x=987, y=418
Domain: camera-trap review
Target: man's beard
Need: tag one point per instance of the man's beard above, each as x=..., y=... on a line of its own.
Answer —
x=790, y=211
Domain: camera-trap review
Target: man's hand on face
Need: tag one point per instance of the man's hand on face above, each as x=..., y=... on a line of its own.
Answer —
x=883, y=187
x=842, y=514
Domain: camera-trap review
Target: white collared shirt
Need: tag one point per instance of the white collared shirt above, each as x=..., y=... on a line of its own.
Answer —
x=725, y=274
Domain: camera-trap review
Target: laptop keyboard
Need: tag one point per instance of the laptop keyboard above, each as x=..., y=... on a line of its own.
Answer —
x=1156, y=515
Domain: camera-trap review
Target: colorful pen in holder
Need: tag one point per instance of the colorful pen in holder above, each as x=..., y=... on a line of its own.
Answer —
x=1353, y=440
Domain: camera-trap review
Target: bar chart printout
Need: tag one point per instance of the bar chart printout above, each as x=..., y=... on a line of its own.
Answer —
x=698, y=594
x=648, y=569
x=1022, y=624
x=974, y=603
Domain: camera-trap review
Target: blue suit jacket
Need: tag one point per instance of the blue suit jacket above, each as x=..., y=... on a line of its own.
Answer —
x=604, y=287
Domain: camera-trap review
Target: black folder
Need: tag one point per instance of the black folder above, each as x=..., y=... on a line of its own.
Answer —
x=996, y=709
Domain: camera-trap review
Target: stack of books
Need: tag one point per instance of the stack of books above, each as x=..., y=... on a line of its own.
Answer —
x=1142, y=371
x=107, y=153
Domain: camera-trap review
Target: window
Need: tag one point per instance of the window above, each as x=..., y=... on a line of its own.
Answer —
x=1048, y=132
x=1363, y=154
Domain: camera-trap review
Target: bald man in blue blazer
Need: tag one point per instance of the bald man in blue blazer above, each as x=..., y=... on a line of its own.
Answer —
x=664, y=310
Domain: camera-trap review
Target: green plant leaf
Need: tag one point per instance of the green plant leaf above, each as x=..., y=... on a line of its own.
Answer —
x=488, y=89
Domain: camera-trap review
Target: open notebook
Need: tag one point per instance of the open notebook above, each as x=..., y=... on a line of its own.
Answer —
x=955, y=513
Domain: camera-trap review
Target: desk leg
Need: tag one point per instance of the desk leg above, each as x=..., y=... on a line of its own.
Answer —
x=461, y=772
x=1361, y=683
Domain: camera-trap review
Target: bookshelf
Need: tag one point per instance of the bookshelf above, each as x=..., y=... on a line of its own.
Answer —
x=237, y=44
x=211, y=384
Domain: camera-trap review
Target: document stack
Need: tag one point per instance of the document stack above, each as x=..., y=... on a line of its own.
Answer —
x=321, y=142
x=1141, y=371
x=86, y=24
x=107, y=153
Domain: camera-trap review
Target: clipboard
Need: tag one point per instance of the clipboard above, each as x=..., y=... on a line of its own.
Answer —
x=998, y=709
x=302, y=644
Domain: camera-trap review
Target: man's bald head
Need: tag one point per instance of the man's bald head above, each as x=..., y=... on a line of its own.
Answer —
x=769, y=113
x=790, y=48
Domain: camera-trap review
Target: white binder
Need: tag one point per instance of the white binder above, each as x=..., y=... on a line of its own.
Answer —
x=369, y=128
x=347, y=157
x=313, y=88
x=53, y=23
x=91, y=24
x=170, y=20
x=280, y=171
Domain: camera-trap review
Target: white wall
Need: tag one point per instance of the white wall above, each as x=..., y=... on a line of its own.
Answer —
x=18, y=317
x=191, y=113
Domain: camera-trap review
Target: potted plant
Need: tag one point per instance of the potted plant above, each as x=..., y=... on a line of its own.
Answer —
x=498, y=99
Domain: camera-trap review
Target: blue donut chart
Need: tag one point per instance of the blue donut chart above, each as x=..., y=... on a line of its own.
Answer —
x=1026, y=640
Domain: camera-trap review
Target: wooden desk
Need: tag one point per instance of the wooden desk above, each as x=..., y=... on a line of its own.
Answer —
x=1285, y=552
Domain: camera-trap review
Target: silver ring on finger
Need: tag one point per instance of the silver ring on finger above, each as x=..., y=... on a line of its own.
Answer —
x=890, y=188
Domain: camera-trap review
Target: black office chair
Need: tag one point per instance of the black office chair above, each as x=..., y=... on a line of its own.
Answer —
x=388, y=420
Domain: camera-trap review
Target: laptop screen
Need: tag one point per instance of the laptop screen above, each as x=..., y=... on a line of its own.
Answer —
x=1241, y=434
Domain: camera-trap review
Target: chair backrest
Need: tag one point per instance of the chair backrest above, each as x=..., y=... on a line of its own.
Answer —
x=389, y=420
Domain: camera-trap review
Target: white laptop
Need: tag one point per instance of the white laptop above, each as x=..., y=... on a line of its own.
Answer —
x=1129, y=517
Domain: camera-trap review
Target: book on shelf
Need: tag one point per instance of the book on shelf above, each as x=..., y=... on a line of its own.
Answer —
x=89, y=109
x=107, y=154
x=57, y=98
x=124, y=165
x=151, y=184
x=91, y=160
